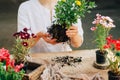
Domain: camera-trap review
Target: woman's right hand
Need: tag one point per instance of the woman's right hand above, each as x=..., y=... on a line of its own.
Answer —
x=36, y=38
x=48, y=39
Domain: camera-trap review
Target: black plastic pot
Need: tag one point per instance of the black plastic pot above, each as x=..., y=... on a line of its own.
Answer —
x=101, y=57
x=113, y=76
x=25, y=67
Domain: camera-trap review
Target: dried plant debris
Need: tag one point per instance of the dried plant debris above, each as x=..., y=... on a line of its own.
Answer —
x=67, y=60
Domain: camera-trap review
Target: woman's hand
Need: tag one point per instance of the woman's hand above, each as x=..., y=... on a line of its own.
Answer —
x=36, y=38
x=75, y=38
x=72, y=32
x=48, y=39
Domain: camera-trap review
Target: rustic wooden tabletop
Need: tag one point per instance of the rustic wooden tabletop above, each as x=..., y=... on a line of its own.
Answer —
x=85, y=67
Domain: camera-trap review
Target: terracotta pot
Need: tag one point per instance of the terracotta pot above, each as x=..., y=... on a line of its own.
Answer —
x=101, y=57
x=113, y=76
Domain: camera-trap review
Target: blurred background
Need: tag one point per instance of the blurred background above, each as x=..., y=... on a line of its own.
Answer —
x=8, y=21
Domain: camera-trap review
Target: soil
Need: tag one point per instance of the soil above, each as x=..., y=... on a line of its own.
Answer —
x=58, y=32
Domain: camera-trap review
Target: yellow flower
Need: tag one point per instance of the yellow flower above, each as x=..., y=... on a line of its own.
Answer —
x=78, y=3
x=64, y=0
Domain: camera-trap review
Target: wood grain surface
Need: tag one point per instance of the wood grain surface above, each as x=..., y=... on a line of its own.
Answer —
x=85, y=67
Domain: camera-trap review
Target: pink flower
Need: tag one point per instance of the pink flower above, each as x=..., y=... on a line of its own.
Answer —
x=93, y=28
x=12, y=63
x=18, y=67
x=4, y=54
x=104, y=21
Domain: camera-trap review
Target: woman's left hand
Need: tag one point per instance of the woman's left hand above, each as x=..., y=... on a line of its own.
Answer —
x=75, y=38
x=72, y=31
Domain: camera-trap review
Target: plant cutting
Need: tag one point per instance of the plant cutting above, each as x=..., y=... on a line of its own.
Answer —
x=113, y=46
x=67, y=12
x=103, y=25
x=8, y=70
x=23, y=42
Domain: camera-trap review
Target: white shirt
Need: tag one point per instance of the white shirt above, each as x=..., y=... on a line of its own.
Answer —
x=34, y=16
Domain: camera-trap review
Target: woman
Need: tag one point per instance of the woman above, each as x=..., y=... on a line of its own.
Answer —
x=37, y=15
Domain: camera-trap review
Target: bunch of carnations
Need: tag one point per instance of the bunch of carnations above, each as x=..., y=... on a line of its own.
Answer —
x=23, y=42
x=8, y=70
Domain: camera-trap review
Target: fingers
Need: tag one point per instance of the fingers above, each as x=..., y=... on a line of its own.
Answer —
x=73, y=28
x=39, y=34
x=73, y=31
x=45, y=36
x=36, y=39
x=48, y=39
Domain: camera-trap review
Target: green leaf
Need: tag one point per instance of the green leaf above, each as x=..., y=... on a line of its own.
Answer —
x=68, y=12
x=117, y=54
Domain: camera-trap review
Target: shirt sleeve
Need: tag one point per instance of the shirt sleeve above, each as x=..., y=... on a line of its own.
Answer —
x=80, y=29
x=23, y=17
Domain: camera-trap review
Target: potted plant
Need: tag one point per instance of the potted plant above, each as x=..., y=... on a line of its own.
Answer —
x=23, y=42
x=114, y=58
x=67, y=12
x=103, y=25
x=8, y=70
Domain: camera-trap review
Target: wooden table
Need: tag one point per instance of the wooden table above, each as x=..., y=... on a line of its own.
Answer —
x=88, y=58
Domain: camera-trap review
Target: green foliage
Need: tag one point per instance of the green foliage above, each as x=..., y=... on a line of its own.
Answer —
x=114, y=58
x=102, y=27
x=69, y=11
x=115, y=64
x=10, y=74
x=19, y=51
x=100, y=36
x=23, y=42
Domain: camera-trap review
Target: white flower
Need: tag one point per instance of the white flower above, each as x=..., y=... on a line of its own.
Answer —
x=94, y=22
x=103, y=17
x=111, y=25
x=98, y=15
x=108, y=18
x=105, y=21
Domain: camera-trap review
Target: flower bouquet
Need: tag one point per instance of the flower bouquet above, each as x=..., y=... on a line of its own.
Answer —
x=8, y=70
x=23, y=42
x=67, y=12
x=103, y=25
x=113, y=45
